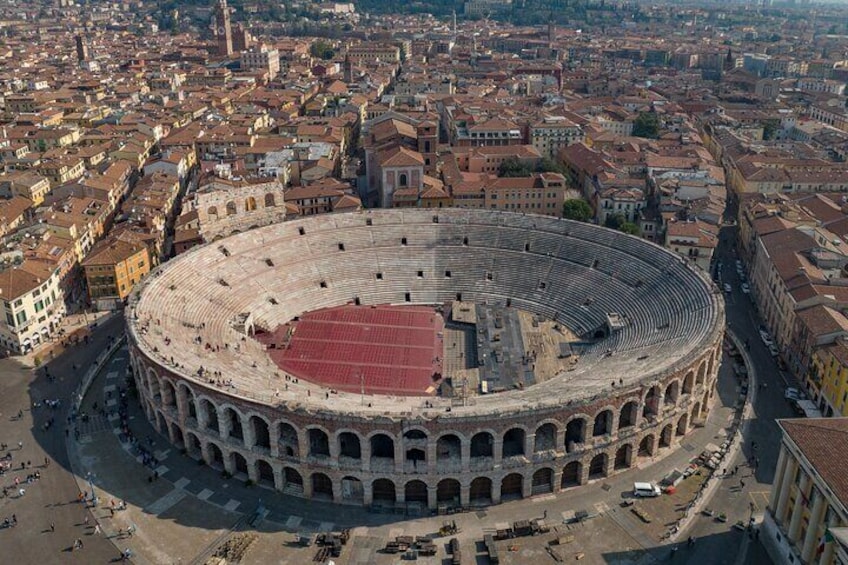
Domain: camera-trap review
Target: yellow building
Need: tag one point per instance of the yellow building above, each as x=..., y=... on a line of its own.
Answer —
x=112, y=268
x=808, y=506
x=827, y=379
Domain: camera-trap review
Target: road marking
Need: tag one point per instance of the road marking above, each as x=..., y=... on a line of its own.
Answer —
x=181, y=483
x=160, y=455
x=325, y=527
x=543, y=498
x=166, y=502
x=759, y=499
x=109, y=388
x=161, y=469
x=111, y=375
x=293, y=522
x=232, y=505
x=205, y=494
x=111, y=402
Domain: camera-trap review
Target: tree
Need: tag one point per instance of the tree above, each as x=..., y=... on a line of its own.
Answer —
x=770, y=128
x=618, y=222
x=629, y=228
x=547, y=165
x=512, y=167
x=646, y=124
x=576, y=209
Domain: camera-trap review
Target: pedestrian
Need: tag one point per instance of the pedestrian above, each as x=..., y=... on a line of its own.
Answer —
x=741, y=484
x=736, y=469
x=86, y=519
x=96, y=528
x=20, y=445
x=21, y=492
x=52, y=527
x=111, y=512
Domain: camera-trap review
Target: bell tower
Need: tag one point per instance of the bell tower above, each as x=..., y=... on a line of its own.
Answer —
x=223, y=29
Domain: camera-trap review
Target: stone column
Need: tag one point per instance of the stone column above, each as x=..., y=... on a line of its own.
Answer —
x=496, y=491
x=229, y=467
x=202, y=420
x=827, y=554
x=529, y=445
x=274, y=439
x=778, y=478
x=432, y=501
x=303, y=446
x=431, y=455
x=584, y=470
x=464, y=495
x=497, y=451
x=560, y=441
x=279, y=478
x=337, y=490
x=204, y=453
x=252, y=471
x=223, y=423
x=399, y=455
x=333, y=441
x=797, y=512
x=400, y=493
x=247, y=433
x=812, y=536
x=307, y=485
x=367, y=493
x=182, y=406
x=465, y=455
x=365, y=453
x=527, y=485
x=785, y=487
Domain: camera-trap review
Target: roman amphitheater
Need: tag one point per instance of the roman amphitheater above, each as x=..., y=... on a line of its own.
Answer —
x=425, y=359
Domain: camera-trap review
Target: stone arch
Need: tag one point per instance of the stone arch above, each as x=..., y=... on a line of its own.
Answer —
x=696, y=412
x=713, y=358
x=319, y=442
x=382, y=446
x=207, y=408
x=216, y=456
x=481, y=491
x=689, y=383
x=232, y=419
x=265, y=473
x=623, y=457
x=598, y=466
x=682, y=425
x=449, y=448
x=322, y=486
x=383, y=490
x=512, y=486
x=153, y=384
x=447, y=491
x=239, y=463
x=513, y=442
x=270, y=200
x=651, y=404
x=194, y=448
x=546, y=438
x=212, y=212
x=249, y=204
x=542, y=481
x=646, y=446
x=177, y=435
x=231, y=208
x=261, y=432
x=672, y=393
x=415, y=446
x=161, y=423
x=292, y=481
x=169, y=393
x=483, y=444
x=705, y=402
x=628, y=415
x=403, y=180
x=575, y=433
x=288, y=442
x=666, y=435
x=352, y=489
x=603, y=423
x=185, y=392
x=349, y=444
x=572, y=474
x=415, y=491
x=702, y=373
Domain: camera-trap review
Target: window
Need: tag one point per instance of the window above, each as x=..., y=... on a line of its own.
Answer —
x=402, y=180
x=10, y=319
x=18, y=302
x=420, y=274
x=448, y=275
x=39, y=306
x=407, y=297
x=341, y=247
x=323, y=284
x=379, y=276
x=21, y=317
x=403, y=241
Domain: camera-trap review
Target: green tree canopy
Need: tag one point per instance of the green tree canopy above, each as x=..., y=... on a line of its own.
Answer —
x=646, y=124
x=512, y=167
x=619, y=222
x=577, y=209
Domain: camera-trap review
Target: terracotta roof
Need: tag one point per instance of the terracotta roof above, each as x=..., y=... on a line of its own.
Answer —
x=111, y=251
x=824, y=443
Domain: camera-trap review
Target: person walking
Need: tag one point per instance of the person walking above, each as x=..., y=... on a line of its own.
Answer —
x=52, y=527
x=86, y=520
x=96, y=529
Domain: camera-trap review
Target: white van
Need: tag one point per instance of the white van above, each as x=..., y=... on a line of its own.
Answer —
x=646, y=490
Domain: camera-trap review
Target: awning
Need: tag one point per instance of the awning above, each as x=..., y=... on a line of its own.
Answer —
x=26, y=341
x=45, y=332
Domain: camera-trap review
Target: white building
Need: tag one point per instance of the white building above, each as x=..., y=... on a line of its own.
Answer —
x=262, y=58
x=33, y=305
x=554, y=133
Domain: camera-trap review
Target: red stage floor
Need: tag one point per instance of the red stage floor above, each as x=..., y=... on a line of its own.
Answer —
x=392, y=349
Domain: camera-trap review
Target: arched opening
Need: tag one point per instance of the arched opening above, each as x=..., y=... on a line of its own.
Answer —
x=682, y=425
x=193, y=447
x=239, y=464
x=545, y=438
x=177, y=435
x=352, y=490
x=287, y=441
x=627, y=417
x=191, y=403
x=415, y=491
x=212, y=212
x=688, y=383
x=571, y=474
x=249, y=204
x=169, y=394
x=269, y=200
x=216, y=456
x=261, y=435
x=696, y=412
x=702, y=372
x=234, y=421
x=382, y=452
x=575, y=431
x=161, y=424
x=598, y=466
x=231, y=208
x=447, y=492
x=417, y=457
x=512, y=486
x=155, y=393
x=652, y=403
x=603, y=423
x=292, y=482
x=449, y=449
x=403, y=180
x=513, y=442
x=482, y=445
x=543, y=481
x=705, y=403
x=481, y=491
x=319, y=443
x=383, y=490
x=623, y=457
x=672, y=391
x=349, y=445
x=416, y=448
x=265, y=473
x=322, y=486
x=211, y=416
x=646, y=446
x=666, y=435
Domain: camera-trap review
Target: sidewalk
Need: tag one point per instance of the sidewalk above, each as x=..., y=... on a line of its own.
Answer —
x=73, y=329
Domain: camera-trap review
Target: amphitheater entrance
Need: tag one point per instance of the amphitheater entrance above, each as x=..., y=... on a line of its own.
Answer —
x=261, y=435
x=629, y=412
x=481, y=491
x=192, y=406
x=208, y=410
x=545, y=438
x=193, y=447
x=383, y=491
x=598, y=466
x=682, y=425
x=652, y=403
x=288, y=443
x=382, y=453
x=352, y=490
x=512, y=487
x=216, y=457
x=482, y=445
x=349, y=445
x=513, y=443
x=603, y=424
x=646, y=446
x=415, y=491
x=448, y=449
x=623, y=457
x=322, y=486
x=571, y=475
x=292, y=482
x=177, y=435
x=575, y=431
x=239, y=465
x=666, y=436
x=447, y=492
x=234, y=422
x=319, y=443
x=265, y=473
x=543, y=481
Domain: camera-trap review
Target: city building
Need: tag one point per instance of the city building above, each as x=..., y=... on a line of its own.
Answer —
x=112, y=267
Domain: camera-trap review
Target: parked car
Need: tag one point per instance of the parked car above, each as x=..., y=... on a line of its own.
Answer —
x=764, y=335
x=745, y=288
x=773, y=350
x=727, y=288
x=791, y=393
